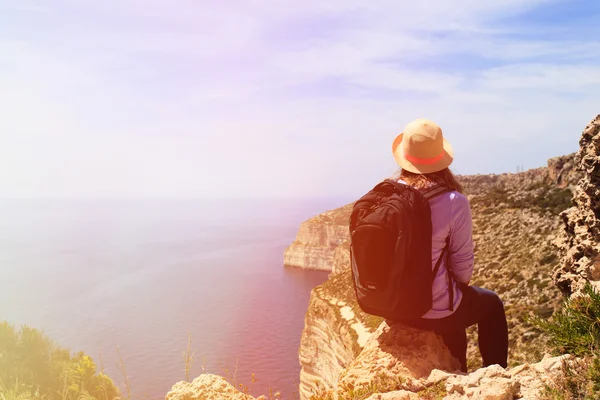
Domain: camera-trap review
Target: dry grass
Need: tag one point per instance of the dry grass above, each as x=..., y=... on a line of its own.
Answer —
x=579, y=379
x=121, y=367
x=189, y=358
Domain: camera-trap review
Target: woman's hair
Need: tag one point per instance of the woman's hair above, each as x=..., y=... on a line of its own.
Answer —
x=420, y=181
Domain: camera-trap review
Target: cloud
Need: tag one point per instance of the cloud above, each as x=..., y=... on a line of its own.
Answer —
x=22, y=5
x=562, y=78
x=156, y=98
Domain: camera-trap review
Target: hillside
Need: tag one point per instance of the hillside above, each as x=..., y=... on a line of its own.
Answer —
x=515, y=220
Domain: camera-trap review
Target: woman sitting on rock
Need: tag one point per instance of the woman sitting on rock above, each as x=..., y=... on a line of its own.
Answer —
x=424, y=157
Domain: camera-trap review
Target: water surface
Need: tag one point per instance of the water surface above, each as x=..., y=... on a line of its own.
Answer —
x=142, y=274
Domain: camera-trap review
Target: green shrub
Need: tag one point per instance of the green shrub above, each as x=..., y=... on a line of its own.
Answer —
x=494, y=196
x=550, y=199
x=33, y=367
x=555, y=200
x=575, y=328
x=547, y=198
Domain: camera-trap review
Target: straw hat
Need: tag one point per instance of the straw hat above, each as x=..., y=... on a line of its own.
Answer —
x=421, y=148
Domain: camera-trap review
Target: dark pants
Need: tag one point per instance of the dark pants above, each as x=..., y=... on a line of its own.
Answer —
x=478, y=306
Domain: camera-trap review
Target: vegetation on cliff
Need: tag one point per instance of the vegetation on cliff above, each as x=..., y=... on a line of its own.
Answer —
x=539, y=197
x=513, y=228
x=575, y=329
x=33, y=367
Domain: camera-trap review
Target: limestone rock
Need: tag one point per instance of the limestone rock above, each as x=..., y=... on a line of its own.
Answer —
x=407, y=375
x=579, y=242
x=341, y=258
x=533, y=377
x=327, y=344
x=398, y=351
x=495, y=383
x=207, y=387
x=562, y=171
x=400, y=362
x=491, y=383
x=317, y=240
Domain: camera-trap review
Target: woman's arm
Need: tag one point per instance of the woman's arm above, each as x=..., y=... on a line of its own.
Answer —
x=460, y=255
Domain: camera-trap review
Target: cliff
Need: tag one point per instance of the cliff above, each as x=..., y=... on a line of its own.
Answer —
x=328, y=320
x=317, y=240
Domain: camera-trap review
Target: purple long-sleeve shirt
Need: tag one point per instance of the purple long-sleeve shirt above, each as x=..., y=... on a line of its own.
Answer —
x=450, y=216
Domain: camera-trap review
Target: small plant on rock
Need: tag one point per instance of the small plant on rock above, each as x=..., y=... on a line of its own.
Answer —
x=575, y=329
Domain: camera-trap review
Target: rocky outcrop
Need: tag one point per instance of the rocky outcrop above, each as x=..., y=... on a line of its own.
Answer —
x=483, y=183
x=207, y=387
x=318, y=239
x=579, y=242
x=400, y=362
x=559, y=173
x=341, y=258
x=332, y=337
x=333, y=333
x=563, y=172
x=397, y=351
x=526, y=381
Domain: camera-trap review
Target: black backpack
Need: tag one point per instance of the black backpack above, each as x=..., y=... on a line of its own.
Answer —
x=390, y=251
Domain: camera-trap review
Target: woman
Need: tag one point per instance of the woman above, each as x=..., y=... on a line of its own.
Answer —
x=424, y=156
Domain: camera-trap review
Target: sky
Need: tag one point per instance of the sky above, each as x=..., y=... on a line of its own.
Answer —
x=279, y=98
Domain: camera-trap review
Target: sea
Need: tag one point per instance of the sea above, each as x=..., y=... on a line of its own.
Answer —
x=153, y=282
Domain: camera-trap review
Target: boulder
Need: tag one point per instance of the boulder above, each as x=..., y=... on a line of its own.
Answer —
x=207, y=387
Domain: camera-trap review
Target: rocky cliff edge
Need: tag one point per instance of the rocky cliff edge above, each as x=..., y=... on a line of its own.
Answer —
x=579, y=241
x=400, y=362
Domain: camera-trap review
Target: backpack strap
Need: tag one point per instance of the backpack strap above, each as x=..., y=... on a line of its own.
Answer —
x=439, y=261
x=449, y=273
x=450, y=279
x=435, y=190
x=395, y=184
